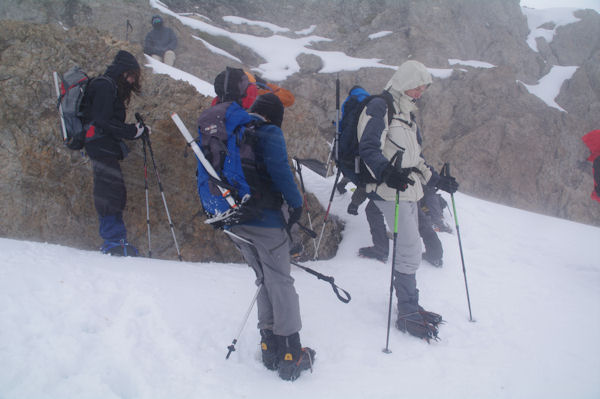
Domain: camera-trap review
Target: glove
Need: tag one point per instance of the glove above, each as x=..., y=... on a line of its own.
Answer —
x=447, y=184
x=397, y=179
x=295, y=214
x=141, y=129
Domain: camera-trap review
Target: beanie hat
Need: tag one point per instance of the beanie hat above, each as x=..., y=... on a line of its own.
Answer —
x=231, y=84
x=269, y=106
x=126, y=61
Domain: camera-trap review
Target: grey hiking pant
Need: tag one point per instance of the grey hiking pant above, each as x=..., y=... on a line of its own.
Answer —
x=378, y=229
x=375, y=220
x=408, y=244
x=432, y=201
x=278, y=303
x=433, y=245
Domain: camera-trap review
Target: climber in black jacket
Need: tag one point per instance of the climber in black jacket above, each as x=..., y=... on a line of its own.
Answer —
x=104, y=108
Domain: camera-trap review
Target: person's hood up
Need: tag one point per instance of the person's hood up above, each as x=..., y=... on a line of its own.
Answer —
x=123, y=62
x=410, y=75
x=157, y=22
x=592, y=140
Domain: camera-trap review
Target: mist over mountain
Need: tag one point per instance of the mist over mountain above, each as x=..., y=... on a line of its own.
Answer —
x=503, y=142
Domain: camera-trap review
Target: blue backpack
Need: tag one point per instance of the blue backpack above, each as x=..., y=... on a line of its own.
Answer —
x=348, y=159
x=227, y=137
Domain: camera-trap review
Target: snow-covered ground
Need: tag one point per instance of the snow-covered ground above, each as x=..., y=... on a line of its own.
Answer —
x=78, y=324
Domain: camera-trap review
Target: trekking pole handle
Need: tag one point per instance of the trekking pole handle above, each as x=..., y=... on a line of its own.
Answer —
x=138, y=117
x=445, y=169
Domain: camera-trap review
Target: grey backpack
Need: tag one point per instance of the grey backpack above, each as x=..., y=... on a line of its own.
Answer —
x=72, y=90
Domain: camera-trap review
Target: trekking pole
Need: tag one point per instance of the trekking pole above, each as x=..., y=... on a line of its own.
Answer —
x=146, y=137
x=389, y=321
x=128, y=27
x=231, y=348
x=337, y=176
x=147, y=201
x=299, y=170
x=336, y=141
x=446, y=172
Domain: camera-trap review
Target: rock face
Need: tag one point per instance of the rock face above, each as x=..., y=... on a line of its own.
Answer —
x=503, y=143
x=46, y=188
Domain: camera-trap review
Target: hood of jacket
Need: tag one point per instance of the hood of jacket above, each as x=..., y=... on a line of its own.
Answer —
x=123, y=62
x=410, y=75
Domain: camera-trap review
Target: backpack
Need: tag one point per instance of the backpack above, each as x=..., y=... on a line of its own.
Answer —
x=227, y=138
x=348, y=159
x=73, y=85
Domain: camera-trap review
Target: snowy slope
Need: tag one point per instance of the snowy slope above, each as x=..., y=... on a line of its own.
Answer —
x=78, y=324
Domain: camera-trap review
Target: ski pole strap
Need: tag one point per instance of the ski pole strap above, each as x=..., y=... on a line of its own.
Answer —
x=345, y=298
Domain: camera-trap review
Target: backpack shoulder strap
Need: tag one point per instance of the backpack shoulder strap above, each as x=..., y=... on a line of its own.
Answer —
x=108, y=79
x=389, y=101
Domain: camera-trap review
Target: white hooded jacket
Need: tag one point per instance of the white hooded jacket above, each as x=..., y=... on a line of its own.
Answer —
x=379, y=142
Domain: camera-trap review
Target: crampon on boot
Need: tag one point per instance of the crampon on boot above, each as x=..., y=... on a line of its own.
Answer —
x=431, y=317
x=269, y=349
x=416, y=326
x=295, y=359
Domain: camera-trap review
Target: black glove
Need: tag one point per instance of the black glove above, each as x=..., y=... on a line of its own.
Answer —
x=447, y=184
x=397, y=179
x=295, y=214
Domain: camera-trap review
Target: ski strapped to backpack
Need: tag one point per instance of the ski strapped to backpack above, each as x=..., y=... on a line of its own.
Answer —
x=70, y=90
x=225, y=193
x=348, y=159
x=231, y=187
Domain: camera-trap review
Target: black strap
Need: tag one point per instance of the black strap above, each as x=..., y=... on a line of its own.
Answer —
x=389, y=101
x=329, y=279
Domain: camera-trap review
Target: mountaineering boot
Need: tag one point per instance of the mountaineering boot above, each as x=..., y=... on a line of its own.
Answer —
x=296, y=250
x=352, y=209
x=410, y=319
x=372, y=253
x=437, y=262
x=269, y=349
x=119, y=248
x=341, y=187
x=415, y=325
x=294, y=359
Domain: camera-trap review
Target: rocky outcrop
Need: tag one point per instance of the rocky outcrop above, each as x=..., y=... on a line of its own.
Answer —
x=46, y=189
x=503, y=143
